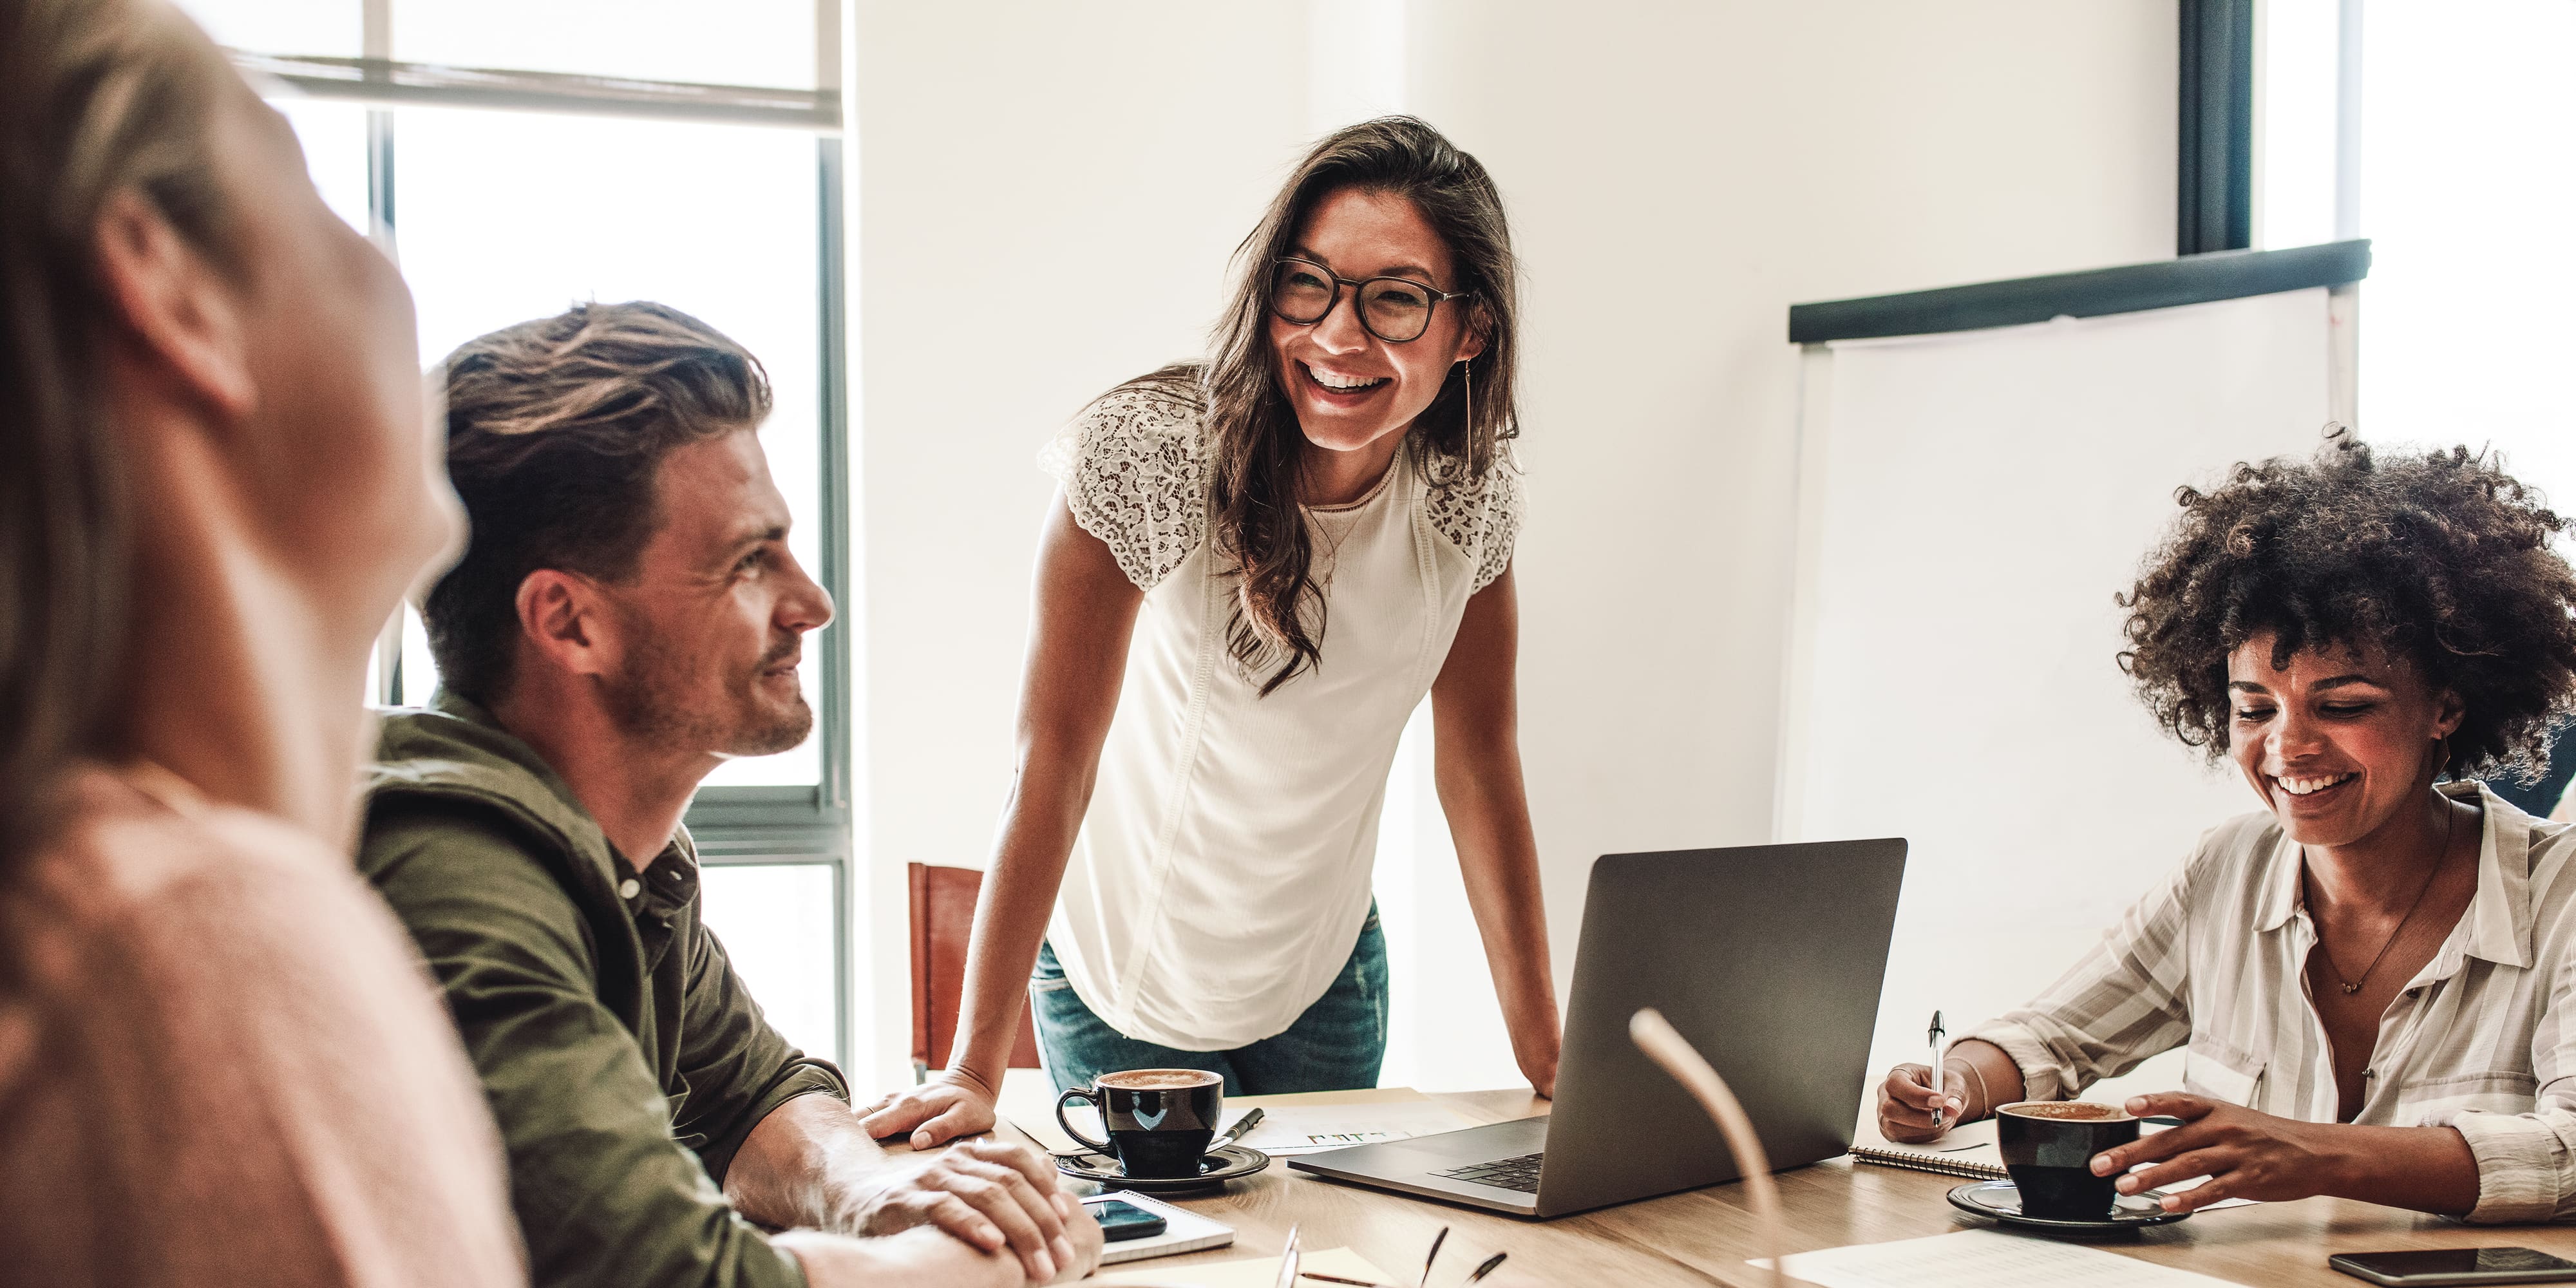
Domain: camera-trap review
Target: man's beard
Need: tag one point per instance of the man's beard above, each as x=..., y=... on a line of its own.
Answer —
x=646, y=700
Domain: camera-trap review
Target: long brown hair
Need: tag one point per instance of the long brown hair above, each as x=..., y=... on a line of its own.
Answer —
x=1254, y=518
x=97, y=97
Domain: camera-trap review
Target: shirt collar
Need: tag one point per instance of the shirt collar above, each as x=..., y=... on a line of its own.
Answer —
x=2279, y=896
x=2499, y=918
x=2497, y=925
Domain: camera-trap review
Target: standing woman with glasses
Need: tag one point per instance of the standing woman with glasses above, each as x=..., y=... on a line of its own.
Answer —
x=1256, y=569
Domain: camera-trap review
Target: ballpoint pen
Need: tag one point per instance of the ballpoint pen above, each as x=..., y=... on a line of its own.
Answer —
x=1237, y=1131
x=1490, y=1265
x=1939, y=1040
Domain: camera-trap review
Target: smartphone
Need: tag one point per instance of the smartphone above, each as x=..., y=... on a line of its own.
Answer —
x=1120, y=1220
x=2454, y=1266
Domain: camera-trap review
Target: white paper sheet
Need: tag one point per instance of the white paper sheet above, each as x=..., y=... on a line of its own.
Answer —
x=1254, y=1272
x=1307, y=1129
x=1983, y=1259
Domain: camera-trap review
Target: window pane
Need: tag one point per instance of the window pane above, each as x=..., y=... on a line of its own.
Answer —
x=334, y=136
x=776, y=924
x=328, y=27
x=2468, y=123
x=419, y=672
x=504, y=217
x=2297, y=206
x=739, y=42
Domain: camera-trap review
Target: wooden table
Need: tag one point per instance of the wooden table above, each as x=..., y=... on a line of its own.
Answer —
x=1705, y=1236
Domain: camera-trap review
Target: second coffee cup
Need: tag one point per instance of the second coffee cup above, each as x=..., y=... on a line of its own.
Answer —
x=1160, y=1121
x=2048, y=1146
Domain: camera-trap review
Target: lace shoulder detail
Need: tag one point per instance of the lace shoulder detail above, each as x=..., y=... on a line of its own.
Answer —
x=1134, y=472
x=1481, y=518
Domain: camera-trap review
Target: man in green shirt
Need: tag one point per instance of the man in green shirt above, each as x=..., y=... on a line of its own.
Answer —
x=625, y=617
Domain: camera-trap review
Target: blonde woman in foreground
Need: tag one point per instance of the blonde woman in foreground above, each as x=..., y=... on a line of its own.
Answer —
x=219, y=1061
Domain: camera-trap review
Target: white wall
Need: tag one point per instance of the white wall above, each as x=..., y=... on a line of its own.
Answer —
x=1008, y=153
x=1678, y=174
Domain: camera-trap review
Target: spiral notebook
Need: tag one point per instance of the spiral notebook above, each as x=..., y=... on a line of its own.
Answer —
x=1967, y=1152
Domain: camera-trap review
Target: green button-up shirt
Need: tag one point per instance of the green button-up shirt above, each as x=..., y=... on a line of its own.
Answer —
x=621, y=1055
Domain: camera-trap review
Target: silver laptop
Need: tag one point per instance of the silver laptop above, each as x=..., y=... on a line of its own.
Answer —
x=1769, y=958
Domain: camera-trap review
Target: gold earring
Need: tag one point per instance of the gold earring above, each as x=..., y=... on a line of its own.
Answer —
x=1467, y=378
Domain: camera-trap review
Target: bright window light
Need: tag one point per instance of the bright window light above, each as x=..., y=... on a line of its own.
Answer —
x=497, y=217
x=2296, y=193
x=334, y=136
x=738, y=42
x=775, y=920
x=329, y=28
x=506, y=217
x=2468, y=127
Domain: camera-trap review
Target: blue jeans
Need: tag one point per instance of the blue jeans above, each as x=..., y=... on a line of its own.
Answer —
x=1337, y=1044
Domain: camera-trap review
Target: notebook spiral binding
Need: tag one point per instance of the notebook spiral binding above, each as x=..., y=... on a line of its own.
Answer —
x=1971, y=1168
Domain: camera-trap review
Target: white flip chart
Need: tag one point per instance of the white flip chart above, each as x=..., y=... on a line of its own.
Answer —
x=1969, y=504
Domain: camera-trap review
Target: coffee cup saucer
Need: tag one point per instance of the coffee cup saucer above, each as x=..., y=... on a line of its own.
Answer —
x=1999, y=1201
x=1216, y=1167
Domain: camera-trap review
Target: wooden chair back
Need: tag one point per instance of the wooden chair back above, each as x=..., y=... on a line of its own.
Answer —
x=943, y=917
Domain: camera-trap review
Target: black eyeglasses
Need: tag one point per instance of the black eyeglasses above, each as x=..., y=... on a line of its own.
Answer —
x=1394, y=309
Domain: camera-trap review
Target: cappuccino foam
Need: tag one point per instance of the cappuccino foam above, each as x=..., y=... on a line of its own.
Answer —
x=1159, y=1079
x=2080, y=1111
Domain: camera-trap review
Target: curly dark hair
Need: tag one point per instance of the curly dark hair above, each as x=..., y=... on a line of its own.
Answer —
x=2442, y=559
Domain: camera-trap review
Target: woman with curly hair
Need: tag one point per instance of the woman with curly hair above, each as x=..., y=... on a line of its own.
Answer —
x=2372, y=978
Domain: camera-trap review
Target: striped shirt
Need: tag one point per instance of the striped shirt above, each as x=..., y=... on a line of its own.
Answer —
x=2213, y=961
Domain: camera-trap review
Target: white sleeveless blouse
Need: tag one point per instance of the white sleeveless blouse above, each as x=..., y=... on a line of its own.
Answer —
x=1222, y=872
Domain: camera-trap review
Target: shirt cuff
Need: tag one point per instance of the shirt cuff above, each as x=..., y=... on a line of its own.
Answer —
x=2039, y=1068
x=806, y=1077
x=2523, y=1167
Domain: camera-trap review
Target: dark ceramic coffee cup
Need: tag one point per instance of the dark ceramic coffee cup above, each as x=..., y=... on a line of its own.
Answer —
x=1160, y=1121
x=2048, y=1146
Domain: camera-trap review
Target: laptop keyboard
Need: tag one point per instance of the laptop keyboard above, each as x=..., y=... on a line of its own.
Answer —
x=1503, y=1173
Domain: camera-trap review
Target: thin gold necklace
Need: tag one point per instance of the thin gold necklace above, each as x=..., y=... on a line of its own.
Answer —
x=2450, y=824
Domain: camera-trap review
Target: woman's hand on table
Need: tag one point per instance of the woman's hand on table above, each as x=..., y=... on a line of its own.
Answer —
x=953, y=1103
x=1906, y=1101
x=2245, y=1155
x=1539, y=1066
